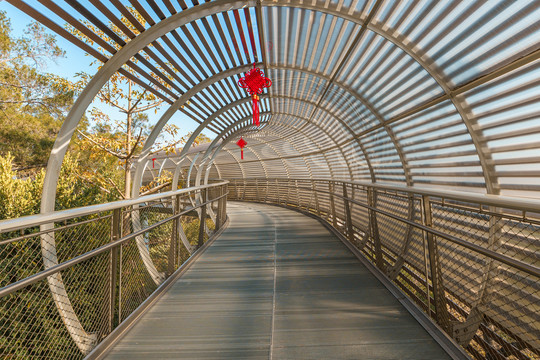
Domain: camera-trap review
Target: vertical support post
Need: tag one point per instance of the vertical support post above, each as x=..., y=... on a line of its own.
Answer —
x=441, y=312
x=267, y=191
x=219, y=215
x=113, y=266
x=172, y=245
x=372, y=202
x=277, y=191
x=316, y=198
x=298, y=195
x=225, y=199
x=349, y=225
x=257, y=195
x=332, y=205
x=203, y=219
x=177, y=229
x=288, y=199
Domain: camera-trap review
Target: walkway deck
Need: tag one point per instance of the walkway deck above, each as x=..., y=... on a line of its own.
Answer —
x=277, y=285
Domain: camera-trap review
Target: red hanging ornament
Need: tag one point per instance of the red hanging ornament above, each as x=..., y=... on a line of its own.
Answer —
x=254, y=82
x=241, y=143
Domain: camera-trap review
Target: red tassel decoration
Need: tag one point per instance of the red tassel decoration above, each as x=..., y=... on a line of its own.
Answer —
x=241, y=143
x=254, y=82
x=255, y=99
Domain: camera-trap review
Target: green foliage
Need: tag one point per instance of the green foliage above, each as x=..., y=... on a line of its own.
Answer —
x=32, y=102
x=22, y=196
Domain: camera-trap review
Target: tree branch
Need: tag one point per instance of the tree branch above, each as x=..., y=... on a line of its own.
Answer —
x=155, y=189
x=115, y=154
x=135, y=146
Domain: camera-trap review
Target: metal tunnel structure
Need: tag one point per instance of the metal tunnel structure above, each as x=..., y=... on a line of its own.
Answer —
x=424, y=110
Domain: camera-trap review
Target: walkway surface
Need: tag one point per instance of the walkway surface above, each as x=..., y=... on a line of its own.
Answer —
x=277, y=285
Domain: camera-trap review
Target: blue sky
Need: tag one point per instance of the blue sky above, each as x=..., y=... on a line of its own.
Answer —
x=76, y=61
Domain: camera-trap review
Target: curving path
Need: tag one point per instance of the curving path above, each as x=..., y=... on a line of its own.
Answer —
x=277, y=285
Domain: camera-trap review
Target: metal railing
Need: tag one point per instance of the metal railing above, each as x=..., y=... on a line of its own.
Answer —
x=69, y=278
x=469, y=261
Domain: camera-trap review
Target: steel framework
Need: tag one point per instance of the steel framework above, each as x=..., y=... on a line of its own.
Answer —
x=440, y=95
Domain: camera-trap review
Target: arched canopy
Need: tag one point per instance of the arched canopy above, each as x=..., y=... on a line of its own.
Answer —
x=431, y=93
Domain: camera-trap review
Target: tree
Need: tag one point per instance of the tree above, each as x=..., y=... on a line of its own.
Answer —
x=121, y=127
x=32, y=102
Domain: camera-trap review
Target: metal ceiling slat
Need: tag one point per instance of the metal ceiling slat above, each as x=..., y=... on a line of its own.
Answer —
x=240, y=29
x=232, y=36
x=142, y=11
x=94, y=20
x=214, y=40
x=221, y=33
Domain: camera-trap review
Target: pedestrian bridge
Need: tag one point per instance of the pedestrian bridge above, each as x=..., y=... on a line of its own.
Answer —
x=277, y=284
x=387, y=206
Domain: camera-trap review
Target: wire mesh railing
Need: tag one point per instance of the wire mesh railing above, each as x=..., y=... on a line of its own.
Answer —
x=70, y=278
x=470, y=262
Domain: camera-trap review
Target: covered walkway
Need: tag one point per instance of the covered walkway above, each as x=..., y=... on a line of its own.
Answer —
x=277, y=284
x=410, y=128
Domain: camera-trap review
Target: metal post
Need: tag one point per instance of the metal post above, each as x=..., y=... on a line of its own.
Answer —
x=332, y=205
x=172, y=245
x=372, y=201
x=113, y=266
x=257, y=197
x=441, y=312
x=298, y=197
x=225, y=199
x=349, y=225
x=316, y=198
x=277, y=191
x=203, y=219
x=219, y=214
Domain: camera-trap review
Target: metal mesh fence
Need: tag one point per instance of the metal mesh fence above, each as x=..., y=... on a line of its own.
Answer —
x=472, y=267
x=65, y=287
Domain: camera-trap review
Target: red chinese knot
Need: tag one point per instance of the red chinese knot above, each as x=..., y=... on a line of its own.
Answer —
x=254, y=82
x=241, y=143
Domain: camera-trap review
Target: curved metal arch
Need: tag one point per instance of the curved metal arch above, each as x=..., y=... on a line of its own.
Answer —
x=372, y=110
x=208, y=151
x=430, y=67
x=181, y=101
x=308, y=166
x=199, y=130
x=297, y=129
x=213, y=144
x=108, y=69
x=343, y=123
x=238, y=102
x=246, y=128
x=83, y=340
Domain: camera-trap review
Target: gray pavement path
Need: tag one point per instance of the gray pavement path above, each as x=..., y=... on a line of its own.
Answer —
x=277, y=285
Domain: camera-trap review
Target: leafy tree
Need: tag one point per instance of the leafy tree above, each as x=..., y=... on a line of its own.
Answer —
x=22, y=196
x=117, y=140
x=32, y=102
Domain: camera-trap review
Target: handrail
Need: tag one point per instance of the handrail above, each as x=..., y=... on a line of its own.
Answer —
x=468, y=260
x=11, y=288
x=56, y=216
x=530, y=269
x=118, y=256
x=504, y=201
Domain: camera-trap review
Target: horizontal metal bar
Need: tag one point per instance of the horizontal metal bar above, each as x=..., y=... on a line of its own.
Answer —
x=530, y=269
x=11, y=288
x=521, y=204
x=26, y=236
x=39, y=219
